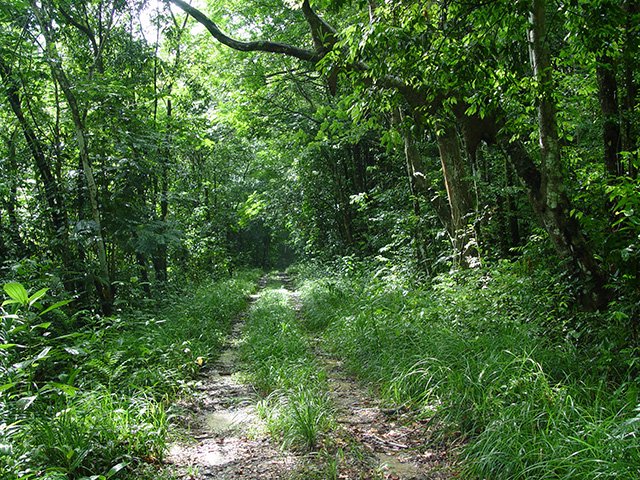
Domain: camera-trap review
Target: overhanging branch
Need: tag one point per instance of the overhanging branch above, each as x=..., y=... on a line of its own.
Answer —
x=255, y=46
x=324, y=37
x=323, y=34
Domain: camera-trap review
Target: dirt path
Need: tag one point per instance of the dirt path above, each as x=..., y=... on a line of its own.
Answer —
x=378, y=443
x=223, y=439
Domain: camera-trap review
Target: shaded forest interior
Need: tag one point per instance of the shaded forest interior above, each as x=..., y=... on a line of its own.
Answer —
x=453, y=185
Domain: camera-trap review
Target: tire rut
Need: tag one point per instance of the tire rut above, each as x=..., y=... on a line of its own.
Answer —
x=221, y=436
x=389, y=444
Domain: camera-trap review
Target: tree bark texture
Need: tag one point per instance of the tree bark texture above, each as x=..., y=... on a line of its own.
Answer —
x=547, y=192
x=459, y=192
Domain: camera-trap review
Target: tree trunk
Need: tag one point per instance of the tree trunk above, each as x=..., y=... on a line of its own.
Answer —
x=563, y=229
x=418, y=188
x=160, y=257
x=511, y=211
x=608, y=97
x=459, y=190
x=55, y=203
x=144, y=273
x=454, y=214
x=547, y=192
x=103, y=285
x=103, y=278
x=630, y=59
x=14, y=226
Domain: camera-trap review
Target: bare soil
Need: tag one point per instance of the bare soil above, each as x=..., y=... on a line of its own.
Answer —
x=222, y=437
x=378, y=442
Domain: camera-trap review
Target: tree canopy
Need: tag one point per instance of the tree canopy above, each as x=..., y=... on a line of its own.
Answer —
x=148, y=145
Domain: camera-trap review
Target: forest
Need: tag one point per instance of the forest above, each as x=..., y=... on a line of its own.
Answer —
x=391, y=239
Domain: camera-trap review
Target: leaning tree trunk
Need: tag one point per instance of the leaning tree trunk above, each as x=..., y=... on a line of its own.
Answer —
x=421, y=188
x=55, y=200
x=103, y=283
x=457, y=211
x=550, y=199
x=414, y=173
x=12, y=200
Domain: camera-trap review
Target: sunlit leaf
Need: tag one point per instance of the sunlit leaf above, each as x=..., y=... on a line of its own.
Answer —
x=43, y=326
x=25, y=402
x=17, y=292
x=68, y=390
x=7, y=386
x=115, y=469
x=55, y=306
x=38, y=295
x=45, y=351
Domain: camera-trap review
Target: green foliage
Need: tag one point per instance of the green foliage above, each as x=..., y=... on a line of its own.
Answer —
x=281, y=364
x=206, y=159
x=97, y=433
x=497, y=356
x=159, y=350
x=26, y=345
x=298, y=417
x=93, y=402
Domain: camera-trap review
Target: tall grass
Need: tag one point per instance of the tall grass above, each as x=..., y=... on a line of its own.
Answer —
x=296, y=407
x=101, y=403
x=494, y=354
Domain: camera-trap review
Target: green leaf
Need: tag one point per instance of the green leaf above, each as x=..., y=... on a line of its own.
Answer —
x=26, y=402
x=44, y=326
x=59, y=304
x=38, y=295
x=7, y=386
x=17, y=292
x=45, y=351
x=68, y=390
x=6, y=346
x=116, y=468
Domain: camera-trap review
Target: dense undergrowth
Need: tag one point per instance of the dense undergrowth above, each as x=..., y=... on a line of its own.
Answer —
x=89, y=396
x=531, y=387
x=281, y=364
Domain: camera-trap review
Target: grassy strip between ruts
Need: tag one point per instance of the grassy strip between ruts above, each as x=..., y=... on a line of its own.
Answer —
x=529, y=403
x=280, y=363
x=99, y=409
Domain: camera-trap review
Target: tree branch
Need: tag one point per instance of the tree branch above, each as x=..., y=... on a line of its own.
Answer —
x=255, y=46
x=323, y=34
x=324, y=37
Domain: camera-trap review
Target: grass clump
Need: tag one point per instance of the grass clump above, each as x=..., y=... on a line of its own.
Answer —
x=298, y=416
x=97, y=432
x=296, y=407
x=494, y=354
